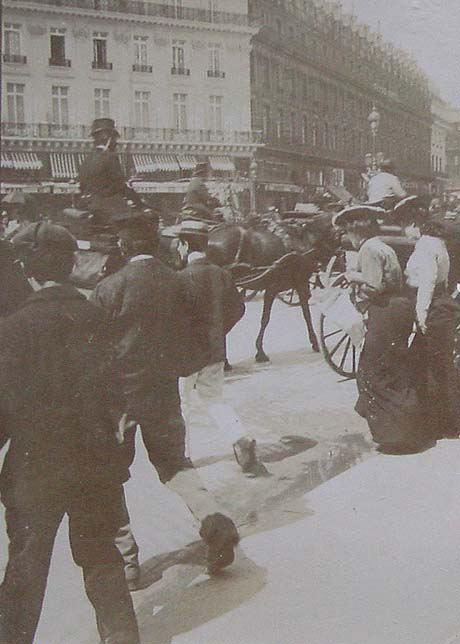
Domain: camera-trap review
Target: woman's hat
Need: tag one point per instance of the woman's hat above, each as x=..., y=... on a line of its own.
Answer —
x=408, y=206
x=45, y=236
x=102, y=124
x=356, y=213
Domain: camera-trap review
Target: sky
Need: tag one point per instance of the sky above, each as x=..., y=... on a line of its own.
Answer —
x=428, y=29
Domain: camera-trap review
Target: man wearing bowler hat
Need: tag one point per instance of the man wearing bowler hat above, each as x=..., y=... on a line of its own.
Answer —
x=102, y=184
x=197, y=201
x=63, y=456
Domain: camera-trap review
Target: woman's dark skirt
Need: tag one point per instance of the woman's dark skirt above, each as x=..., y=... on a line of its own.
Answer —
x=437, y=379
x=388, y=397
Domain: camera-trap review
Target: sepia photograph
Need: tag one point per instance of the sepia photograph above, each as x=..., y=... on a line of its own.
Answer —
x=230, y=322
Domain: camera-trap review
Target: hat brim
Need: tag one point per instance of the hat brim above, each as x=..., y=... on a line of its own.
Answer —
x=356, y=213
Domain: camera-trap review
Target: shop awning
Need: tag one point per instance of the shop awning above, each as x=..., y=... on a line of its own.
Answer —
x=20, y=161
x=65, y=165
x=187, y=162
x=222, y=164
x=148, y=163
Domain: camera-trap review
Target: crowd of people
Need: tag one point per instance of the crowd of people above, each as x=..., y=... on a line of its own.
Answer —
x=79, y=377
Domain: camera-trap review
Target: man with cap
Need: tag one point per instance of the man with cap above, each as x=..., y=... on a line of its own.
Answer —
x=198, y=203
x=63, y=456
x=385, y=188
x=215, y=307
x=149, y=337
x=102, y=184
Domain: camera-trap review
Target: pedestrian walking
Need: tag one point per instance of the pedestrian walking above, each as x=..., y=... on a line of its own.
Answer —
x=437, y=315
x=63, y=453
x=215, y=307
x=387, y=398
x=148, y=335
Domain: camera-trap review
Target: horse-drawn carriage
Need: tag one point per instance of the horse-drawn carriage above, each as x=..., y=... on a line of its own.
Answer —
x=341, y=327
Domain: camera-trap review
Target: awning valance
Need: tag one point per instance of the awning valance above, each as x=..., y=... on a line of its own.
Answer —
x=148, y=163
x=20, y=161
x=187, y=162
x=65, y=165
x=222, y=164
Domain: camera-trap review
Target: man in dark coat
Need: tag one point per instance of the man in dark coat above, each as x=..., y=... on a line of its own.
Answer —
x=102, y=184
x=215, y=307
x=198, y=203
x=148, y=334
x=63, y=456
x=14, y=287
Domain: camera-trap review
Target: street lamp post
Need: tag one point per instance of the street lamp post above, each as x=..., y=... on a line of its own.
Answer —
x=374, y=122
x=252, y=187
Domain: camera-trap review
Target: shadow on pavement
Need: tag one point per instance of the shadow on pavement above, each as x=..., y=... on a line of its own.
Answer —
x=186, y=598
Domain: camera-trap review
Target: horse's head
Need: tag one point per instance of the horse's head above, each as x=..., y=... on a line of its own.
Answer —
x=319, y=234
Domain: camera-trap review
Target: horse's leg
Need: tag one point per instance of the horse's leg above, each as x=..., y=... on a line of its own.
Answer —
x=269, y=298
x=227, y=366
x=303, y=289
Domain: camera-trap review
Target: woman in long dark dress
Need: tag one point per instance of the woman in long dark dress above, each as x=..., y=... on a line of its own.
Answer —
x=387, y=397
x=436, y=314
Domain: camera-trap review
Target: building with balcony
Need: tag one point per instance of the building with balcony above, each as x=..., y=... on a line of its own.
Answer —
x=174, y=75
x=315, y=77
x=444, y=141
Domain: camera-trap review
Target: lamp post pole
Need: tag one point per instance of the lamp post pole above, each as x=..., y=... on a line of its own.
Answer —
x=374, y=122
x=252, y=187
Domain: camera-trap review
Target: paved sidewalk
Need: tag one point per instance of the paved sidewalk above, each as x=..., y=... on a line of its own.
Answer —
x=376, y=562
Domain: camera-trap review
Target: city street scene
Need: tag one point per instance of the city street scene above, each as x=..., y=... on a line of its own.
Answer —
x=230, y=322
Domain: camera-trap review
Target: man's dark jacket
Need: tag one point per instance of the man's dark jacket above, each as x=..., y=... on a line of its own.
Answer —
x=54, y=399
x=215, y=306
x=146, y=304
x=197, y=197
x=14, y=287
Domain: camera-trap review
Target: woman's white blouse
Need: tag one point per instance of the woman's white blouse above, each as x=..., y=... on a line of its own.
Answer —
x=428, y=266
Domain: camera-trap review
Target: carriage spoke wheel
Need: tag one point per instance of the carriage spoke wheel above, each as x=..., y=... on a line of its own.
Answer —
x=338, y=349
x=289, y=297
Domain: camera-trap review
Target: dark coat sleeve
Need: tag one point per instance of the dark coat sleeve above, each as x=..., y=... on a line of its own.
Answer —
x=234, y=307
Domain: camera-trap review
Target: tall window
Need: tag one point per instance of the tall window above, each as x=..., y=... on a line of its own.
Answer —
x=60, y=105
x=213, y=7
x=15, y=102
x=279, y=124
x=178, y=56
x=101, y=103
x=180, y=112
x=314, y=135
x=292, y=127
x=215, y=59
x=140, y=50
x=57, y=47
x=100, y=50
x=177, y=8
x=266, y=121
x=304, y=130
x=326, y=136
x=11, y=40
x=215, y=113
x=142, y=109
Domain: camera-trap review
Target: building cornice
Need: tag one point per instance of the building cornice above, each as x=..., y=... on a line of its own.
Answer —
x=34, y=8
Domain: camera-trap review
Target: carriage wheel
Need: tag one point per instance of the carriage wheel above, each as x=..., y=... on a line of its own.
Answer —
x=337, y=348
x=457, y=350
x=289, y=297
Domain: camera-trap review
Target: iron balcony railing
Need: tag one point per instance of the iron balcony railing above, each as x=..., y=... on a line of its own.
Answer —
x=101, y=64
x=153, y=9
x=137, y=67
x=59, y=62
x=127, y=133
x=14, y=58
x=215, y=73
x=180, y=71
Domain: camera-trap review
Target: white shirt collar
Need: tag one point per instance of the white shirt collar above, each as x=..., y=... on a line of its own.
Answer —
x=138, y=258
x=195, y=256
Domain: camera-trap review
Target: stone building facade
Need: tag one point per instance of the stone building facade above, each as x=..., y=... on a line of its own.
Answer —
x=174, y=75
x=315, y=76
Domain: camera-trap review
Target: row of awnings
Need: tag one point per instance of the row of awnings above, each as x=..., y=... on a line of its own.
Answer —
x=66, y=165
x=20, y=161
x=149, y=163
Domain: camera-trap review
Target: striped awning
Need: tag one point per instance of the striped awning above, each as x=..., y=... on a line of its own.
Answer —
x=147, y=163
x=20, y=161
x=222, y=164
x=65, y=165
x=187, y=162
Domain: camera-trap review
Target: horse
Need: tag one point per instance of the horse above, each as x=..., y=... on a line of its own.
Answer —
x=285, y=256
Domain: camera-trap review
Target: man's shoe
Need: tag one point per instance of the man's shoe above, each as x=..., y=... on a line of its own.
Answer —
x=245, y=454
x=220, y=536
